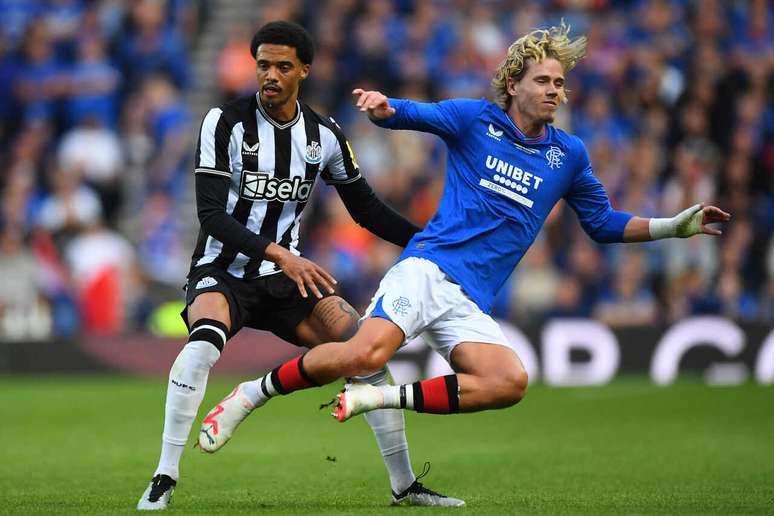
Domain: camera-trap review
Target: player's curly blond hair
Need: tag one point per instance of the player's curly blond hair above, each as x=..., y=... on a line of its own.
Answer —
x=537, y=45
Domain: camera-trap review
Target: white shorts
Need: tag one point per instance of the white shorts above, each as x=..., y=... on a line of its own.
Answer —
x=418, y=296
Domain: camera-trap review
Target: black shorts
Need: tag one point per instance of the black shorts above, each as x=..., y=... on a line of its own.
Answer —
x=271, y=303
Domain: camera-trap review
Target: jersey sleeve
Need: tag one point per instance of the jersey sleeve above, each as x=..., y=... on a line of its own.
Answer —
x=340, y=167
x=590, y=201
x=212, y=148
x=448, y=119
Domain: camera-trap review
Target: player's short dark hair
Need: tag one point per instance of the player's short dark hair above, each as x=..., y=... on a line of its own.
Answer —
x=285, y=33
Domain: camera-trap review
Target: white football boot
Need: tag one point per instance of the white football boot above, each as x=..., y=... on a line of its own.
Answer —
x=158, y=494
x=355, y=399
x=418, y=495
x=221, y=422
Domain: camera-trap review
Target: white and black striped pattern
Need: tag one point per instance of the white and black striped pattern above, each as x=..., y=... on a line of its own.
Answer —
x=241, y=142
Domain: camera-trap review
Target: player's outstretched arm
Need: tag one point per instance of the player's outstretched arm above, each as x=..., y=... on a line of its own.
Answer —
x=448, y=119
x=687, y=223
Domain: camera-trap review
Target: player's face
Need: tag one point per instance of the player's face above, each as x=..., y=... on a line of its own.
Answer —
x=537, y=95
x=279, y=74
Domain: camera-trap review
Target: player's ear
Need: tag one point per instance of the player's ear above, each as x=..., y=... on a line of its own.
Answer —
x=305, y=70
x=510, y=86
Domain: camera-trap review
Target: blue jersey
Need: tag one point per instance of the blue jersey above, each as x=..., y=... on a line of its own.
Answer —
x=500, y=187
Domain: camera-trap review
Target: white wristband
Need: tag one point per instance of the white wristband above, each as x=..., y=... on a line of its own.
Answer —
x=683, y=225
x=661, y=228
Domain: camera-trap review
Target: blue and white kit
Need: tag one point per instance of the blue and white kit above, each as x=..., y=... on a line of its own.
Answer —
x=500, y=187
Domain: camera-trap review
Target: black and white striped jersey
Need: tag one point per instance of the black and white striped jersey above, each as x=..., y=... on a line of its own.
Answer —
x=272, y=168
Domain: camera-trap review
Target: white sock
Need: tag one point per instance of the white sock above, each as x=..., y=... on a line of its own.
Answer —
x=389, y=429
x=187, y=383
x=169, y=462
x=392, y=396
x=254, y=389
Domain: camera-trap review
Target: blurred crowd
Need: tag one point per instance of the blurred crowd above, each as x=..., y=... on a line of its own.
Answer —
x=675, y=103
x=96, y=142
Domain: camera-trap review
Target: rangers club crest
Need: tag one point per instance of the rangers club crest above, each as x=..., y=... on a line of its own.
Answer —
x=401, y=305
x=313, y=153
x=554, y=157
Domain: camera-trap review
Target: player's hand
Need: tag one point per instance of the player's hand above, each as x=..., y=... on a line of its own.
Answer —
x=694, y=220
x=306, y=273
x=374, y=102
x=712, y=214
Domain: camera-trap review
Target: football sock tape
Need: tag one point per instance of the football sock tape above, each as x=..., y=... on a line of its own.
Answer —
x=438, y=395
x=210, y=330
x=287, y=378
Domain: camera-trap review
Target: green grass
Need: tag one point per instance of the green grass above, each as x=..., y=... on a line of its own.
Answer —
x=89, y=445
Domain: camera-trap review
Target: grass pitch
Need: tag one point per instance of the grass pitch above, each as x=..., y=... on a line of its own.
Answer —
x=88, y=445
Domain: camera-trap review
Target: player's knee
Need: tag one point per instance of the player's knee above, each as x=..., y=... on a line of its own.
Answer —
x=205, y=343
x=515, y=386
x=199, y=355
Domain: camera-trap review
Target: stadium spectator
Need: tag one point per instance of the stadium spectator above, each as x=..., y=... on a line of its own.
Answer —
x=95, y=151
x=70, y=207
x=236, y=67
x=23, y=313
x=629, y=302
x=152, y=46
x=536, y=285
x=93, y=84
x=39, y=82
x=169, y=126
x=102, y=264
x=162, y=250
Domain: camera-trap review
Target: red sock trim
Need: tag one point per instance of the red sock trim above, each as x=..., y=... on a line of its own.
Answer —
x=437, y=395
x=291, y=377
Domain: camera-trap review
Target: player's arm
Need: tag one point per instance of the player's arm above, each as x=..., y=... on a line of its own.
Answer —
x=371, y=213
x=341, y=171
x=605, y=225
x=689, y=222
x=448, y=118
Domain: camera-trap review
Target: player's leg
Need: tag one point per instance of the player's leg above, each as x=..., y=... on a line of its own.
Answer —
x=285, y=314
x=489, y=374
x=366, y=351
x=280, y=309
x=333, y=319
x=374, y=343
x=360, y=353
x=208, y=317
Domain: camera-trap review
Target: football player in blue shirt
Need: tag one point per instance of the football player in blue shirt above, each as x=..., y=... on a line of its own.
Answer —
x=507, y=168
